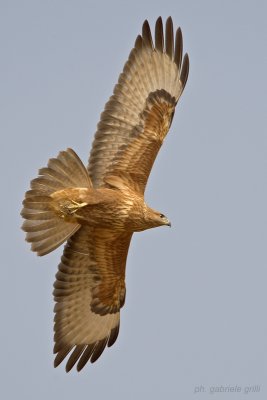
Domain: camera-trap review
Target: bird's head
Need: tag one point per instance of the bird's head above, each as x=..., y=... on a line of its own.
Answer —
x=155, y=218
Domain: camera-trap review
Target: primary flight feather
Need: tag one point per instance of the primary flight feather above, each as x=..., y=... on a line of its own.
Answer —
x=97, y=209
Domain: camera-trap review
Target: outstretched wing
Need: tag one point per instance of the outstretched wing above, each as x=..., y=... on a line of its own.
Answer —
x=89, y=292
x=138, y=115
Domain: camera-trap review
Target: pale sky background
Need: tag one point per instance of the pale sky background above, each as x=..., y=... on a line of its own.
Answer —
x=195, y=310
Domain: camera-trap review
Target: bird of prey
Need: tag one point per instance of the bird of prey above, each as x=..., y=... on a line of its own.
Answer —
x=97, y=209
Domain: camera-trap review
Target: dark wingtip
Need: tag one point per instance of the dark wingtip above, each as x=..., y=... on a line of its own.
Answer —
x=61, y=355
x=138, y=42
x=169, y=37
x=159, y=41
x=185, y=70
x=159, y=21
x=98, y=350
x=146, y=33
x=79, y=349
x=113, y=335
x=85, y=357
x=178, y=53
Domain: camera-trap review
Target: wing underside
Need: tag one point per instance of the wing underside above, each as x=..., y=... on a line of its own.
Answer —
x=89, y=292
x=138, y=115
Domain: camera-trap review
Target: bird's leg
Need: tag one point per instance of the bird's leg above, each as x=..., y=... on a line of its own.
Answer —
x=70, y=207
x=74, y=206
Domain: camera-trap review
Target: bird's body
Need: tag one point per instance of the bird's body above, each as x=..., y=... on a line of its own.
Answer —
x=104, y=208
x=117, y=208
x=97, y=209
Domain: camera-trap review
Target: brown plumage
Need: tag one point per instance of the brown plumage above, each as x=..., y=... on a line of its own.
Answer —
x=97, y=209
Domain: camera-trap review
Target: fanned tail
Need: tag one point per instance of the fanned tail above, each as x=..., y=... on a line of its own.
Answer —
x=46, y=229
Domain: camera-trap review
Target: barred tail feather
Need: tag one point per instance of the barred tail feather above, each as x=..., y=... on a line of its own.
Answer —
x=44, y=228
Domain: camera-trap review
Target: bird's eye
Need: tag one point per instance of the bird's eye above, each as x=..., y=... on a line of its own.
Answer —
x=162, y=216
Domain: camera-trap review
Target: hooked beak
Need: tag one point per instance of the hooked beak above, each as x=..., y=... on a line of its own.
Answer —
x=167, y=222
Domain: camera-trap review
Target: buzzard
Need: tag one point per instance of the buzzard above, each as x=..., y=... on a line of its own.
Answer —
x=97, y=209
